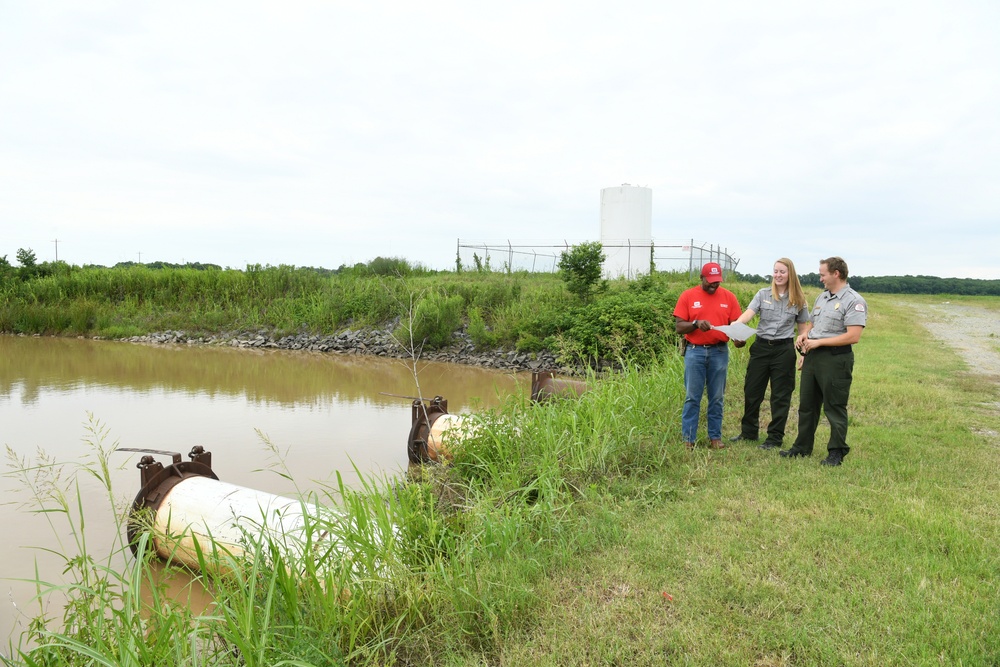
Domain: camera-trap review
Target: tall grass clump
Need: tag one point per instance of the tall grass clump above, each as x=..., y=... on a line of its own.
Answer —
x=534, y=486
x=357, y=301
x=482, y=336
x=104, y=618
x=615, y=430
x=434, y=320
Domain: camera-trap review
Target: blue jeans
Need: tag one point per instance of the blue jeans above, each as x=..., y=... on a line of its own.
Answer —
x=704, y=367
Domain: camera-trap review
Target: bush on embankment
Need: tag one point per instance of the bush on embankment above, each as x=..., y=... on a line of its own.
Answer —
x=527, y=312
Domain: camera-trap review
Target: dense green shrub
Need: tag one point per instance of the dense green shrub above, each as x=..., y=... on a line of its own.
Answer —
x=581, y=268
x=479, y=332
x=435, y=319
x=624, y=325
x=386, y=267
x=389, y=266
x=367, y=301
x=487, y=291
x=7, y=272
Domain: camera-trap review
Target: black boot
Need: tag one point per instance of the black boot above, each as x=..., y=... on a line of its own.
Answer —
x=793, y=453
x=834, y=458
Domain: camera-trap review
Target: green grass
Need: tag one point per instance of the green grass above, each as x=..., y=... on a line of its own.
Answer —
x=890, y=559
x=582, y=532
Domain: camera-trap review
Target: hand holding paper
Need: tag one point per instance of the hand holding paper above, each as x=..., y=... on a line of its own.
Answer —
x=736, y=331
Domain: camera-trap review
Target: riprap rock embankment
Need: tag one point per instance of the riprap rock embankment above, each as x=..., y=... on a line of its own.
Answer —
x=377, y=342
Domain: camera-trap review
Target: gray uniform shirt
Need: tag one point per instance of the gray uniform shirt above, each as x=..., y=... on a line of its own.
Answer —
x=777, y=318
x=833, y=313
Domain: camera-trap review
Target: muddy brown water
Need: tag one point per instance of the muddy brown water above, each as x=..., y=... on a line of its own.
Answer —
x=321, y=414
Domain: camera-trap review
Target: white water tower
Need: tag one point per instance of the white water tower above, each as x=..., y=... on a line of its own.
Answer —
x=626, y=230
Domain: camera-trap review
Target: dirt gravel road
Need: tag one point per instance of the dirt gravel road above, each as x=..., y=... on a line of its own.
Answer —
x=973, y=331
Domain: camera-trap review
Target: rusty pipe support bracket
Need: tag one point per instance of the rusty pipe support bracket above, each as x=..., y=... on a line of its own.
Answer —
x=423, y=415
x=156, y=481
x=545, y=386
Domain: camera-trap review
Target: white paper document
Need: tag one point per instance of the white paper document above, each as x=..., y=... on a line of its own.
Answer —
x=736, y=331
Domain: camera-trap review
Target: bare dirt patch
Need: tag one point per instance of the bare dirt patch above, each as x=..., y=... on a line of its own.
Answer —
x=973, y=331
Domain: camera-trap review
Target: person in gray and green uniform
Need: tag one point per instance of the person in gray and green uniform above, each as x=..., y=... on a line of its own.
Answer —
x=838, y=318
x=772, y=356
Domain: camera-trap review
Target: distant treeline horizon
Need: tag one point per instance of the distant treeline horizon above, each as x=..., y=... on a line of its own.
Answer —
x=901, y=284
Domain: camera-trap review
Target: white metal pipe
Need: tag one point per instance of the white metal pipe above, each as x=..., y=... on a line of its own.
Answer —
x=445, y=433
x=204, y=511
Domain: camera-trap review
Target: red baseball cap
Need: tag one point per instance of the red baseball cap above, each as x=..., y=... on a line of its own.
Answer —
x=712, y=272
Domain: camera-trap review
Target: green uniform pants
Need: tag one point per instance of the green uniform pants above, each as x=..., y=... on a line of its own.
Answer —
x=772, y=362
x=826, y=382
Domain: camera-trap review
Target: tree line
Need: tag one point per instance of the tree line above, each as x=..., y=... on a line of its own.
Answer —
x=901, y=284
x=29, y=267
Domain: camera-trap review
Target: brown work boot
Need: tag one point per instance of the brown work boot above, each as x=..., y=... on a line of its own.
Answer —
x=716, y=444
x=689, y=445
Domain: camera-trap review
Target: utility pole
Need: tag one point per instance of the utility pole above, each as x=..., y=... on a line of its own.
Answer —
x=140, y=258
x=56, y=241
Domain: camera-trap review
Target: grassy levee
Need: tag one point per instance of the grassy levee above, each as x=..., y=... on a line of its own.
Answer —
x=581, y=532
x=892, y=559
x=126, y=301
x=136, y=299
x=529, y=312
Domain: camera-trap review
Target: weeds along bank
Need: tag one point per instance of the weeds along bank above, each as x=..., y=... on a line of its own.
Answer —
x=525, y=495
x=519, y=312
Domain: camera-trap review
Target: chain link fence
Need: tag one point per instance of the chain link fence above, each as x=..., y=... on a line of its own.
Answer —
x=625, y=258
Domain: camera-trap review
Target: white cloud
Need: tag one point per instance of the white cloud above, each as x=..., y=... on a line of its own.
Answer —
x=325, y=133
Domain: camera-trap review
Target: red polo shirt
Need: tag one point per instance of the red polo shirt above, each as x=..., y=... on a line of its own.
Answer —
x=717, y=309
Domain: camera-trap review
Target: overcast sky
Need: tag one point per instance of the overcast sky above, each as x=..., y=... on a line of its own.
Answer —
x=325, y=133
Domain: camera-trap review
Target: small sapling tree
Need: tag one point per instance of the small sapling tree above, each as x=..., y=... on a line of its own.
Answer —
x=580, y=268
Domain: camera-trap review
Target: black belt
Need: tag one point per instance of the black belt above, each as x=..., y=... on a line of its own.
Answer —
x=712, y=345
x=777, y=341
x=832, y=349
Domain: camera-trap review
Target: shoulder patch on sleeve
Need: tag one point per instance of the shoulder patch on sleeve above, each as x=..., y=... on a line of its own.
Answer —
x=859, y=307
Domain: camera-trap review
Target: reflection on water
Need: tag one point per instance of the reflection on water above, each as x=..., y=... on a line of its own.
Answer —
x=321, y=414
x=271, y=376
x=178, y=585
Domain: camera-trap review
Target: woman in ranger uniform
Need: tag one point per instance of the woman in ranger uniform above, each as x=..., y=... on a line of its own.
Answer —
x=781, y=307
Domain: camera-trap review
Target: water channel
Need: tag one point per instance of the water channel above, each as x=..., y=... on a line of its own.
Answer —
x=262, y=414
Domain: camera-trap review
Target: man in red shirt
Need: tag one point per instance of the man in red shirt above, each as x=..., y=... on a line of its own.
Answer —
x=706, y=358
